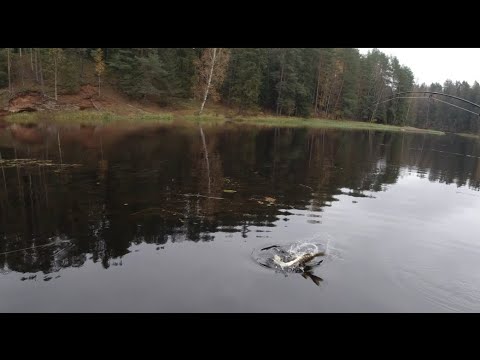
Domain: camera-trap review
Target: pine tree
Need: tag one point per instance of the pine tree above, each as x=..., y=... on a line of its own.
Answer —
x=246, y=71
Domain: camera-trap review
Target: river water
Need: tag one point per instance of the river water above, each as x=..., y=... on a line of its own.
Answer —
x=163, y=219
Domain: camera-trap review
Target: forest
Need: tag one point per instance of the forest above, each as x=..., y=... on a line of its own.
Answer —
x=327, y=83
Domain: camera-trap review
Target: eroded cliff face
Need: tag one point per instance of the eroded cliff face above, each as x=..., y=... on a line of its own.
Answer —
x=25, y=101
x=29, y=101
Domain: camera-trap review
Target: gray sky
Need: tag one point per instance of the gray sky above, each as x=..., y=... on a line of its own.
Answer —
x=437, y=65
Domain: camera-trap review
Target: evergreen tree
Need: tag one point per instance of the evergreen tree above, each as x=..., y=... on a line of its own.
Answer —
x=335, y=83
x=245, y=75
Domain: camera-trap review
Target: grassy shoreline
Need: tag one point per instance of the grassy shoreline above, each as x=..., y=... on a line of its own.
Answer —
x=102, y=117
x=471, y=136
x=85, y=117
x=333, y=124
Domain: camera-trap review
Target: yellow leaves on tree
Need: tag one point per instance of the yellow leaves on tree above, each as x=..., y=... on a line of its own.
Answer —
x=210, y=70
x=99, y=65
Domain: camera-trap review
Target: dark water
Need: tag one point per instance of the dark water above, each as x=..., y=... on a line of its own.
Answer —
x=124, y=219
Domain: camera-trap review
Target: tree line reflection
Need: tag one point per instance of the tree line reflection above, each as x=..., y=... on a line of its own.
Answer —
x=154, y=185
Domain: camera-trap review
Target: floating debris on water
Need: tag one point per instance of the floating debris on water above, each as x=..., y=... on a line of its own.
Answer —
x=154, y=211
x=33, y=162
x=204, y=196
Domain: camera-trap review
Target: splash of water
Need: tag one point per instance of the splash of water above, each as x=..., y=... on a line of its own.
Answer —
x=272, y=256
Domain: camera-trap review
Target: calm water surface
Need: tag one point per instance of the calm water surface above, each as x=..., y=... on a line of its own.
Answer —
x=102, y=219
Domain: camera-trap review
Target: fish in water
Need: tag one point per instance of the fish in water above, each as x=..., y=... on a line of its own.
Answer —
x=300, y=257
x=299, y=264
x=299, y=261
x=310, y=275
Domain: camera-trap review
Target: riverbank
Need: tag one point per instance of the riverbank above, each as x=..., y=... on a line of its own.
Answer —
x=86, y=107
x=333, y=124
x=471, y=136
x=103, y=117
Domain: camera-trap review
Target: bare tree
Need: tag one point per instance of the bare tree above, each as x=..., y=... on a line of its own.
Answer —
x=9, y=66
x=42, y=83
x=36, y=65
x=282, y=79
x=211, y=69
x=317, y=88
x=21, y=68
x=31, y=58
x=56, y=55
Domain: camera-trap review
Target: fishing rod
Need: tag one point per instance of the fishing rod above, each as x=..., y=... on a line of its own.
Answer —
x=438, y=93
x=428, y=97
x=394, y=97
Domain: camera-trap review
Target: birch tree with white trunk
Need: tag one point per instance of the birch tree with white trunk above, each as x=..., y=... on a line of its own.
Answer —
x=210, y=69
x=99, y=65
x=56, y=58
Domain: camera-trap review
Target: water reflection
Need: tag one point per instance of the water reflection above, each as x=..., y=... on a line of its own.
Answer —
x=104, y=189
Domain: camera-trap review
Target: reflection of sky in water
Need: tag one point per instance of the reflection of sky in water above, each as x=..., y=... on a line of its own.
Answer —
x=402, y=230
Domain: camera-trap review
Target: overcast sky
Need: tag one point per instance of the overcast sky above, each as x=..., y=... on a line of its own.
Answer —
x=438, y=65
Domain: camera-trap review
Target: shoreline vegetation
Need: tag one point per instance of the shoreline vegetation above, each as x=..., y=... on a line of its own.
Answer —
x=336, y=88
x=471, y=136
x=106, y=117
